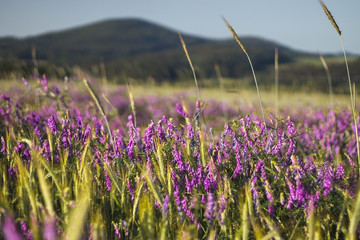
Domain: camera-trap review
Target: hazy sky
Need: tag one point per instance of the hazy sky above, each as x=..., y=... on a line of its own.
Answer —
x=300, y=24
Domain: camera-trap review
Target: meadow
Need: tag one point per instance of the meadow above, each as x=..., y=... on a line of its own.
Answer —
x=81, y=159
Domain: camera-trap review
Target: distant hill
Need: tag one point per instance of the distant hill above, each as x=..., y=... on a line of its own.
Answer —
x=133, y=48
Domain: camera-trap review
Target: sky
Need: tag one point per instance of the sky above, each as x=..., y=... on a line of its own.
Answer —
x=299, y=24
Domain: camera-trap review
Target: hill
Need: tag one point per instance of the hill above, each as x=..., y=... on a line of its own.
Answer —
x=133, y=48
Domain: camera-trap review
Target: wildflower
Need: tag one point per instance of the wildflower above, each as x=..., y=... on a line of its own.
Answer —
x=49, y=229
x=271, y=209
x=3, y=146
x=43, y=82
x=210, y=206
x=165, y=209
x=38, y=133
x=117, y=233
x=178, y=159
x=52, y=124
x=180, y=110
x=26, y=83
x=339, y=171
x=222, y=206
x=131, y=190
x=108, y=181
x=9, y=229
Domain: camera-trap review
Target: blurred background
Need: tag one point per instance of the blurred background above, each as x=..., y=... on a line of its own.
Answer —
x=138, y=42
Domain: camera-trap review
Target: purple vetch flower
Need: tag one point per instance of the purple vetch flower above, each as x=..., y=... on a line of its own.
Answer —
x=49, y=229
x=26, y=83
x=180, y=110
x=291, y=130
x=99, y=130
x=292, y=195
x=178, y=159
x=197, y=110
x=86, y=133
x=43, y=82
x=9, y=229
x=3, y=146
x=188, y=185
x=165, y=208
x=271, y=209
x=327, y=180
x=228, y=130
x=210, y=206
x=186, y=210
x=276, y=149
x=209, y=182
x=38, y=133
x=222, y=206
x=117, y=233
x=108, y=180
x=339, y=171
x=300, y=192
x=239, y=167
x=203, y=200
x=46, y=150
x=157, y=204
x=131, y=190
x=19, y=147
x=149, y=138
x=52, y=124
x=56, y=90
x=12, y=171
x=24, y=230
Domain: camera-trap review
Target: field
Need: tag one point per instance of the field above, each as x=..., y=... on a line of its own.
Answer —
x=82, y=158
x=164, y=172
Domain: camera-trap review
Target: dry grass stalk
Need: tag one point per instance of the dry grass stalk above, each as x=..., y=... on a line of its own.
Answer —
x=332, y=20
x=252, y=68
x=328, y=77
x=193, y=71
x=100, y=107
x=191, y=66
x=276, y=82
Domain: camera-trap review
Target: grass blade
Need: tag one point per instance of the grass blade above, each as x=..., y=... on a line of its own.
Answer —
x=252, y=68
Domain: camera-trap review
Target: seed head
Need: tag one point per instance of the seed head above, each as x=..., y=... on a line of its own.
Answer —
x=331, y=18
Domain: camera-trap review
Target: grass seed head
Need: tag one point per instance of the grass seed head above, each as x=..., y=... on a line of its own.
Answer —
x=235, y=35
x=331, y=18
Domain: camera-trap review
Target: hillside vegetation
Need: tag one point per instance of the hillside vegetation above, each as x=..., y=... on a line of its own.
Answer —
x=133, y=48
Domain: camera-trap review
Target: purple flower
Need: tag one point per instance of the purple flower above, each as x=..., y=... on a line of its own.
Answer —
x=291, y=130
x=49, y=229
x=44, y=83
x=108, y=181
x=166, y=205
x=180, y=110
x=26, y=83
x=178, y=159
x=12, y=172
x=3, y=146
x=117, y=233
x=52, y=124
x=339, y=171
x=38, y=133
x=210, y=206
x=271, y=209
x=131, y=190
x=9, y=229
x=56, y=90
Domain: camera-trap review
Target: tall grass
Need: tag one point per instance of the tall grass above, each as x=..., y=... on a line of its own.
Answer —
x=276, y=68
x=328, y=75
x=333, y=22
x=252, y=68
x=65, y=177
